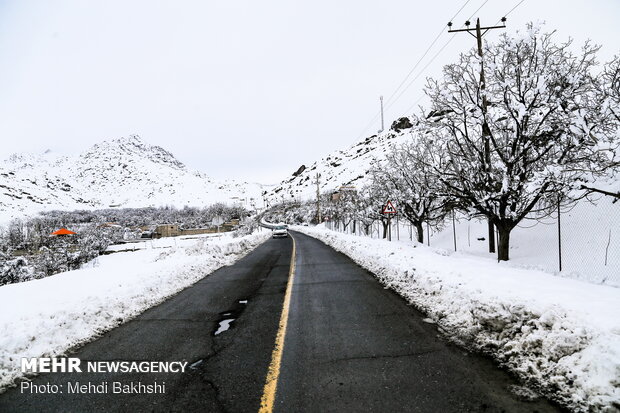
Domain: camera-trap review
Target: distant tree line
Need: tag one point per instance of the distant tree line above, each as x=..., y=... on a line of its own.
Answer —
x=27, y=250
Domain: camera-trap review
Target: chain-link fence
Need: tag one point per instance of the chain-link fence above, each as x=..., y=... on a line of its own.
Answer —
x=583, y=242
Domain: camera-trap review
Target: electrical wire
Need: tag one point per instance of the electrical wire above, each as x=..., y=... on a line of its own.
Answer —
x=442, y=31
x=511, y=10
x=412, y=70
x=431, y=61
x=391, y=100
x=445, y=45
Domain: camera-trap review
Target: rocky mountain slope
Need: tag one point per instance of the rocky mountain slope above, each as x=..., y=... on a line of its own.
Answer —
x=124, y=172
x=343, y=167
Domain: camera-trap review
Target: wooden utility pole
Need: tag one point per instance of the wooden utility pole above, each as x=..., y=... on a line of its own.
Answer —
x=486, y=131
x=318, y=198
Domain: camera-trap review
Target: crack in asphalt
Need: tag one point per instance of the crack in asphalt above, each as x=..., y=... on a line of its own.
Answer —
x=200, y=365
x=382, y=356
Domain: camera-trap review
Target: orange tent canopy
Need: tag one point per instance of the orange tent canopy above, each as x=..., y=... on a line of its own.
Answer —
x=63, y=231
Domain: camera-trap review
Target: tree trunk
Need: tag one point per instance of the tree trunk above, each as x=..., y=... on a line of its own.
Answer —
x=420, y=230
x=504, y=244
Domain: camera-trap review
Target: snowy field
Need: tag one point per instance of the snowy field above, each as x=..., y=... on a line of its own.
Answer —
x=49, y=315
x=166, y=242
x=560, y=335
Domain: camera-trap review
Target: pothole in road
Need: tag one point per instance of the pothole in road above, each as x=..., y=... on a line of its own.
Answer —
x=195, y=365
x=223, y=326
x=229, y=316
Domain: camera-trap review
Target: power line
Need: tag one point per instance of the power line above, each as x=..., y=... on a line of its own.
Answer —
x=423, y=69
x=442, y=31
x=511, y=10
x=431, y=61
x=374, y=119
x=478, y=9
x=473, y=14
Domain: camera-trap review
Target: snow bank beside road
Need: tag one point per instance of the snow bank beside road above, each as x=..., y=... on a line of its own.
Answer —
x=50, y=315
x=561, y=336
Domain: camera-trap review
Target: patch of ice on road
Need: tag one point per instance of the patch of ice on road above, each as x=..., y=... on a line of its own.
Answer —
x=428, y=320
x=224, y=325
x=243, y=301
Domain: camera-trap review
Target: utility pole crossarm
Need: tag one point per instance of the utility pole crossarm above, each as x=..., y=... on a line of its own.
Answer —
x=474, y=29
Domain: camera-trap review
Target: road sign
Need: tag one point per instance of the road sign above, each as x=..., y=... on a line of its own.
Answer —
x=388, y=208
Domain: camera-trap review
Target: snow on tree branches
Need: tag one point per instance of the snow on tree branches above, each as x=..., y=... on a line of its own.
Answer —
x=535, y=138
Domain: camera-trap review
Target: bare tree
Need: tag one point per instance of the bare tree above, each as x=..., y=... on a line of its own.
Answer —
x=345, y=206
x=542, y=124
x=606, y=178
x=369, y=206
x=409, y=175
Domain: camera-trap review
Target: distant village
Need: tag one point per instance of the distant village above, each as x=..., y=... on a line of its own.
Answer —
x=58, y=241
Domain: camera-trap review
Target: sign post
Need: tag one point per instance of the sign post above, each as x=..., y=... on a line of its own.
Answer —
x=389, y=209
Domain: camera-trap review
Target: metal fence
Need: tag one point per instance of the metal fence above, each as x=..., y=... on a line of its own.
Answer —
x=581, y=241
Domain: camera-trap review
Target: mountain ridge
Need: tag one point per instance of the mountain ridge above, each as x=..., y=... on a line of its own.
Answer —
x=348, y=167
x=120, y=172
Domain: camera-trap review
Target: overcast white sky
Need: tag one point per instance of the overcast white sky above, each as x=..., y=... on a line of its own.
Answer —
x=241, y=89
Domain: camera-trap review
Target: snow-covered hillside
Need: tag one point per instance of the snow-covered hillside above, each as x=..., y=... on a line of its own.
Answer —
x=126, y=172
x=340, y=168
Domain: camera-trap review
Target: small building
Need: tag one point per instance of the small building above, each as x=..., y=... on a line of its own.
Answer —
x=167, y=230
x=173, y=230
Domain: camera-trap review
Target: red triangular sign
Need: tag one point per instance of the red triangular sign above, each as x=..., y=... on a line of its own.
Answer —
x=388, y=208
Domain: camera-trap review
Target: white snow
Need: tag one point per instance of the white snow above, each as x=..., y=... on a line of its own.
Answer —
x=123, y=172
x=48, y=316
x=562, y=336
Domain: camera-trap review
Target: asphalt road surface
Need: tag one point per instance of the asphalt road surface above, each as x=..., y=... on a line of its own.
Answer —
x=349, y=346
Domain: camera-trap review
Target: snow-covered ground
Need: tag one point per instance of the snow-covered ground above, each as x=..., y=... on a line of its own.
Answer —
x=48, y=316
x=590, y=241
x=561, y=336
x=166, y=242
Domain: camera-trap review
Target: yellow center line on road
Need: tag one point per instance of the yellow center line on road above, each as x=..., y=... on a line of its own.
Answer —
x=271, y=383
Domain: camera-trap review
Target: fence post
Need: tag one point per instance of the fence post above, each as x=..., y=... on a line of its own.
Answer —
x=454, y=229
x=428, y=235
x=607, y=247
x=559, y=235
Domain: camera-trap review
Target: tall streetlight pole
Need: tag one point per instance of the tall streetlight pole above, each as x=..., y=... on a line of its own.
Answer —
x=381, y=100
